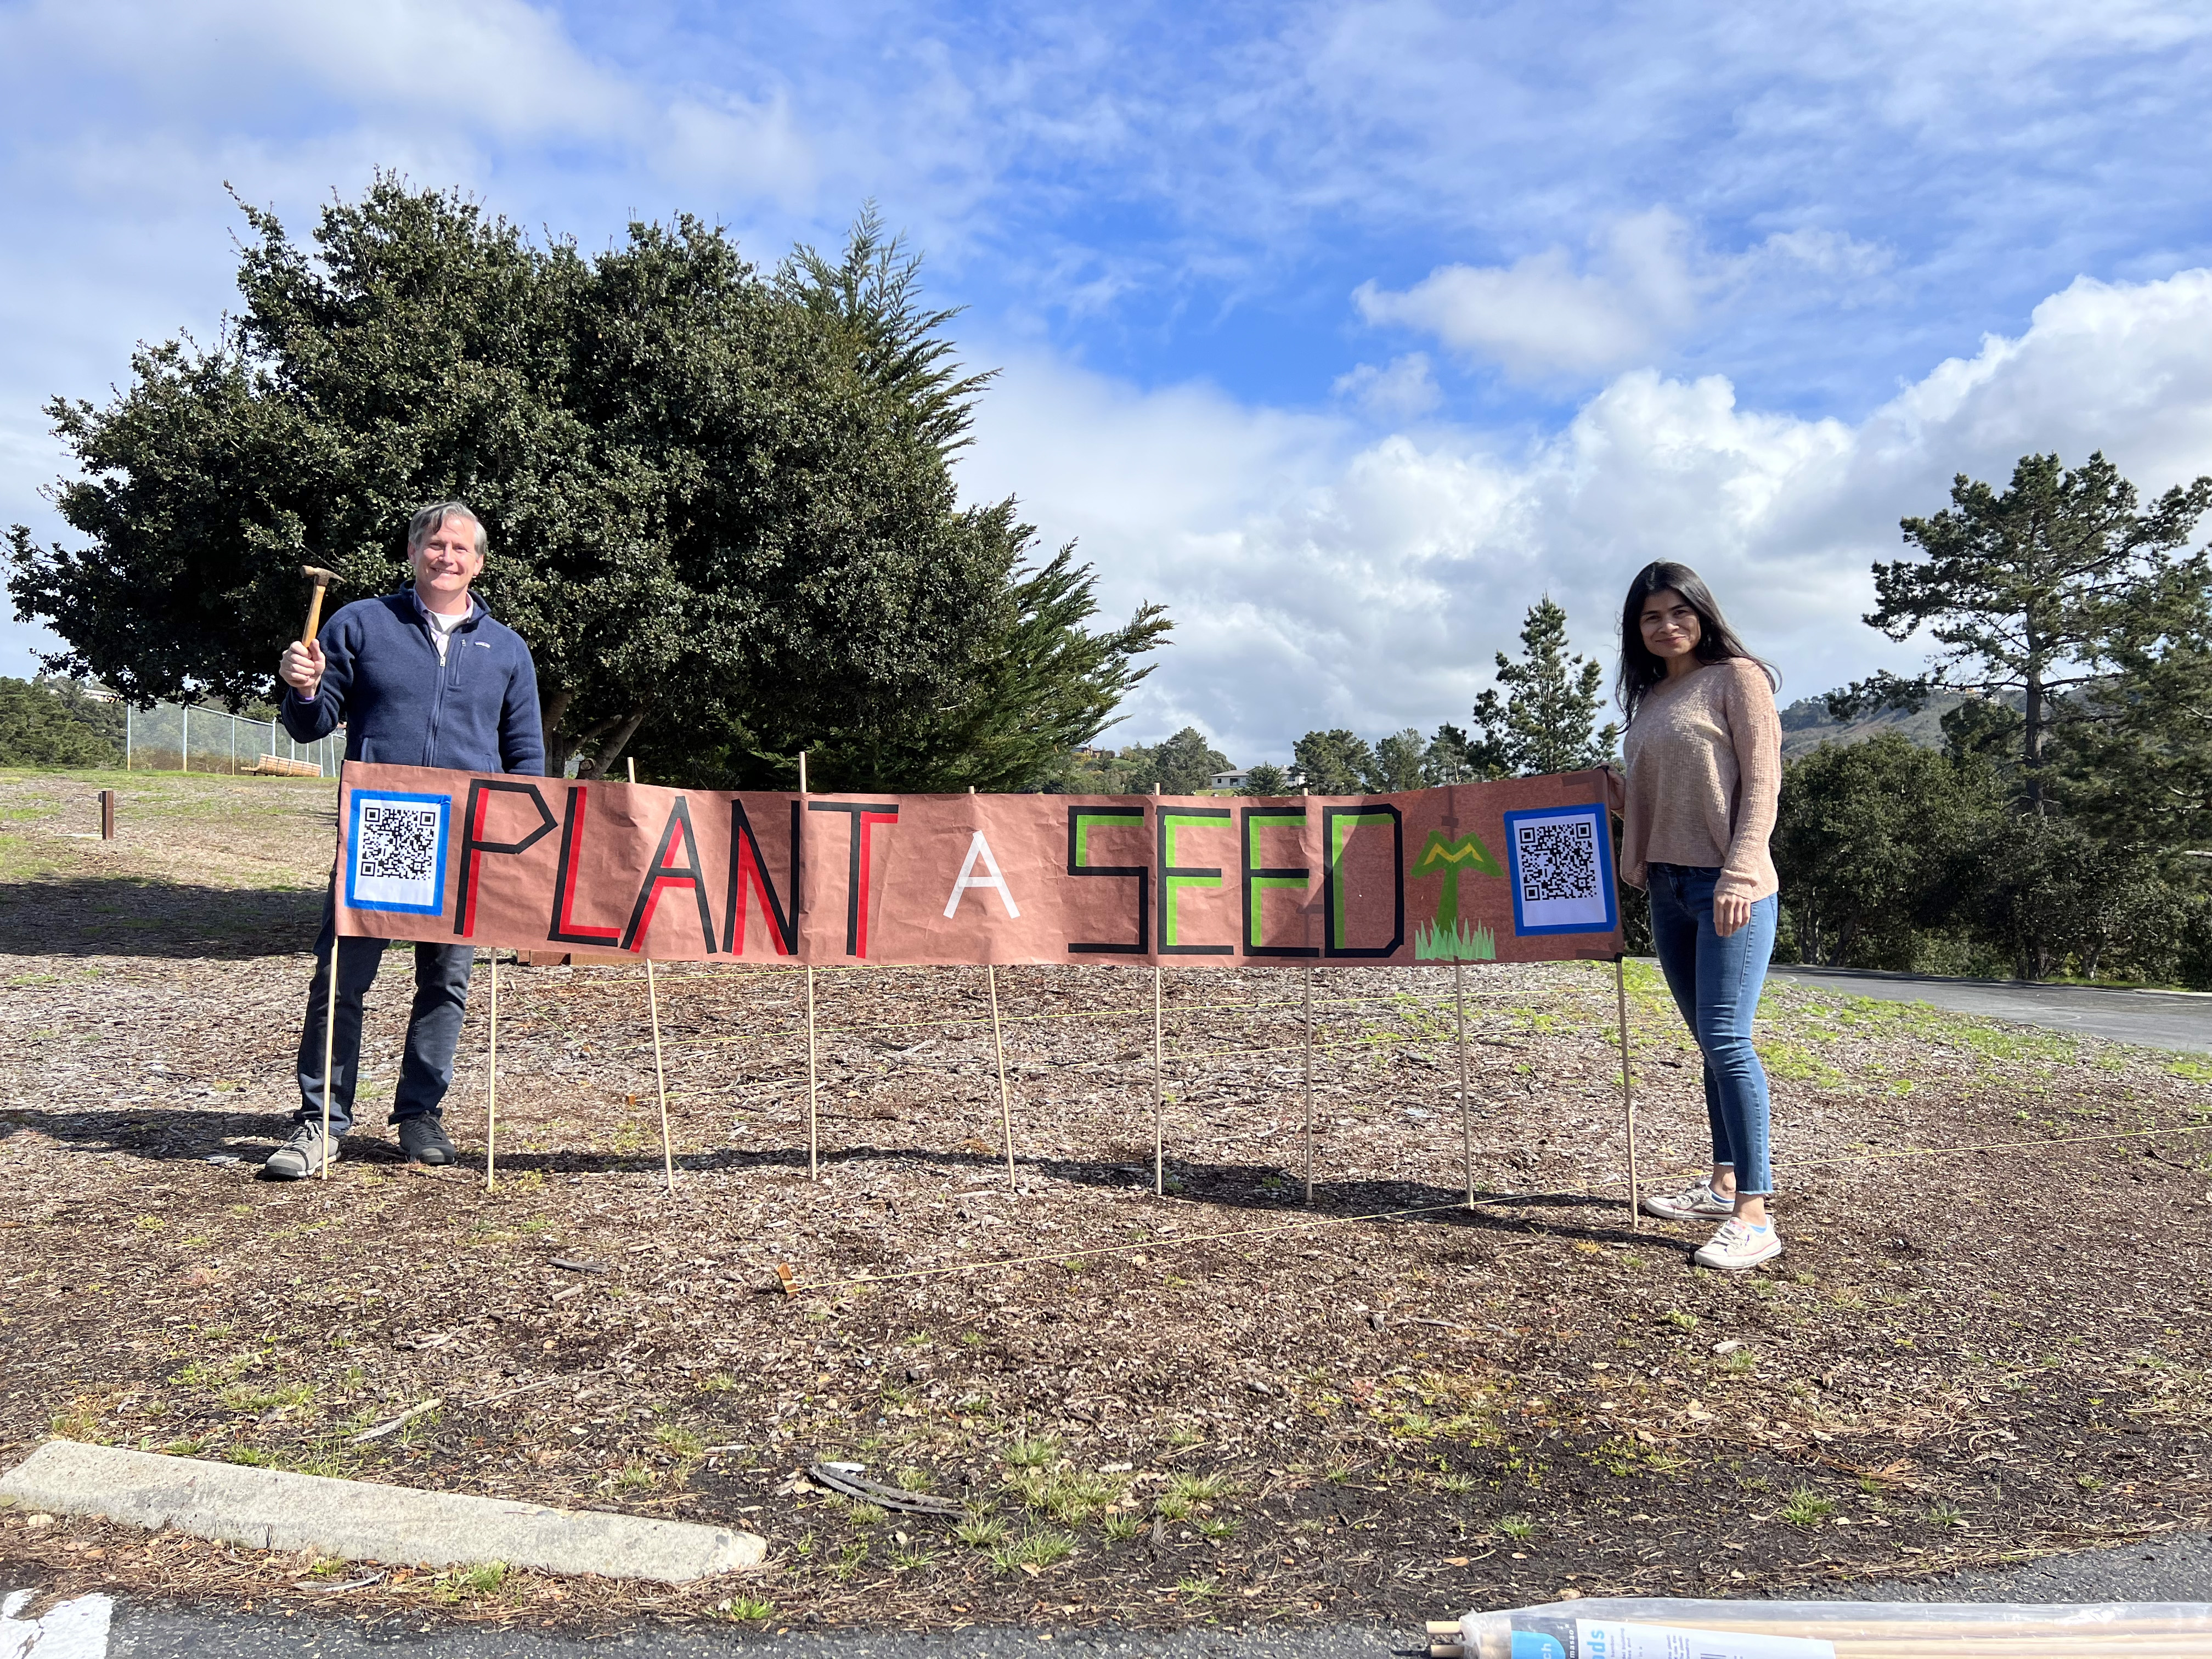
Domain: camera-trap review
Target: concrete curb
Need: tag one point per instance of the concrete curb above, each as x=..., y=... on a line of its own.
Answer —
x=269, y=1509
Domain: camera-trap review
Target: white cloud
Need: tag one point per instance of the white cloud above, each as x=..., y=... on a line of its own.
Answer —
x=469, y=64
x=1317, y=581
x=1645, y=285
x=755, y=146
x=1540, y=316
x=445, y=83
x=1399, y=389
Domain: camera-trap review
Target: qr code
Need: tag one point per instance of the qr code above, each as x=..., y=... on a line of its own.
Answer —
x=398, y=853
x=1562, y=871
x=400, y=843
x=1559, y=859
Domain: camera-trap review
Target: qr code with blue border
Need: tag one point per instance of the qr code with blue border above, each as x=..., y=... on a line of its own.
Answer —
x=396, y=851
x=1560, y=860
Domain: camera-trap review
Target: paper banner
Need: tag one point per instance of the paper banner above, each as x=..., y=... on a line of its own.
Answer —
x=1519, y=871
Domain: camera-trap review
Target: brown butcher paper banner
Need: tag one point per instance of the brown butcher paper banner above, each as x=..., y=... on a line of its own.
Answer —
x=1517, y=871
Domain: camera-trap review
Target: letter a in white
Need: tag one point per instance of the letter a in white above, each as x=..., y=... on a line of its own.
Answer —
x=979, y=851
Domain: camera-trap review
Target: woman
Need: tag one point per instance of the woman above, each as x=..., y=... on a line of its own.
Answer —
x=1704, y=764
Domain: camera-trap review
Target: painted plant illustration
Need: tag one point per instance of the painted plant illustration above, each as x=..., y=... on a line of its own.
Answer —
x=1446, y=939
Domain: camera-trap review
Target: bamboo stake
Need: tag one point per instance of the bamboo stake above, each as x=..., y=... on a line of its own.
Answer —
x=813, y=1086
x=659, y=1072
x=1159, y=1096
x=1627, y=1090
x=491, y=1085
x=1934, y=1644
x=1466, y=1129
x=813, y=1077
x=659, y=1076
x=999, y=1042
x=1308, y=1088
x=329, y=1040
x=1907, y=1638
x=1309, y=1085
x=1159, y=1073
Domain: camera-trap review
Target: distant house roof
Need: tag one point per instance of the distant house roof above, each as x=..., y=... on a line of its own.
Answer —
x=1228, y=780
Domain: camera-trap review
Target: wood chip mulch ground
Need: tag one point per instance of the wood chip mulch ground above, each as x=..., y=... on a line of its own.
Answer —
x=1215, y=1405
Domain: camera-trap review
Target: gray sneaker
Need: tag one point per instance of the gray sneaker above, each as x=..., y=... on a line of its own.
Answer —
x=422, y=1139
x=302, y=1155
x=1698, y=1203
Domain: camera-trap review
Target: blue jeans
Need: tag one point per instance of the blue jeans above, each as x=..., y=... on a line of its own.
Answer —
x=433, y=1026
x=1716, y=982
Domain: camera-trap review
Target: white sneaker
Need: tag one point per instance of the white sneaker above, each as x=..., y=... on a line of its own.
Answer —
x=1699, y=1203
x=1737, y=1247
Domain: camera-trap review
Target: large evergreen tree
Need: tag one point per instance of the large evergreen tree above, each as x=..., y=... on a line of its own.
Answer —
x=2028, y=593
x=720, y=505
x=2139, y=766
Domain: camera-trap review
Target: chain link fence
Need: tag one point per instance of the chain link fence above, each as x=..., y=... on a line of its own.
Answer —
x=188, y=737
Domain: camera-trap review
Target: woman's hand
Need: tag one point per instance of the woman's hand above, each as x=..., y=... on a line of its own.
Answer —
x=1730, y=912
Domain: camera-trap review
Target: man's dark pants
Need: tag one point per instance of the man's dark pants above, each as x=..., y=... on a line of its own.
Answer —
x=433, y=1026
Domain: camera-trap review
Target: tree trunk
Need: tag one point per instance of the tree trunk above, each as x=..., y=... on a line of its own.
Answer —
x=2032, y=735
x=558, y=744
x=610, y=750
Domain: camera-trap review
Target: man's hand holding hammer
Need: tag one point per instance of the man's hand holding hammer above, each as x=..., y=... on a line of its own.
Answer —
x=301, y=666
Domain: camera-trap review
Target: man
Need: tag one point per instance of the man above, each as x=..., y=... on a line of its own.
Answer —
x=424, y=677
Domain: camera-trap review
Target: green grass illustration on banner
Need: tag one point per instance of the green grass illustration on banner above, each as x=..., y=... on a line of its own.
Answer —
x=1446, y=939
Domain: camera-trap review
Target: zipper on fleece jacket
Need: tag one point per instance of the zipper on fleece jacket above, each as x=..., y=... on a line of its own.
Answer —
x=445, y=668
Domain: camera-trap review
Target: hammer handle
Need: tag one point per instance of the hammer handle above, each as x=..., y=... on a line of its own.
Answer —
x=315, y=614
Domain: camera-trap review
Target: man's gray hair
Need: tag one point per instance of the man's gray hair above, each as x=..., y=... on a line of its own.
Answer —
x=427, y=519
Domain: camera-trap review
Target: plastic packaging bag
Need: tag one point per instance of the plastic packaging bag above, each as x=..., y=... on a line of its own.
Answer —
x=1630, y=1629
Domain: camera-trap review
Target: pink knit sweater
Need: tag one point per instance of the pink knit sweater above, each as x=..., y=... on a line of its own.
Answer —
x=1705, y=769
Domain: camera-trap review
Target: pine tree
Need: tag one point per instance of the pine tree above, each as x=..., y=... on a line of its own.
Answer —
x=1334, y=762
x=1547, y=720
x=1396, y=767
x=2031, y=594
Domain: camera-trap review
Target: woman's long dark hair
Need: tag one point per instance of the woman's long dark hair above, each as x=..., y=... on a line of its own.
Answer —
x=1717, y=642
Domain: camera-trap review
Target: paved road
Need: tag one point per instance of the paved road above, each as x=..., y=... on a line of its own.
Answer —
x=2159, y=1019
x=2177, y=1569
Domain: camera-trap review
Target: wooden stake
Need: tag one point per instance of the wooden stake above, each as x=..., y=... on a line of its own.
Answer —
x=1627, y=1090
x=659, y=1076
x=999, y=1042
x=1159, y=1094
x=491, y=1086
x=1307, y=790
x=1309, y=1085
x=329, y=1040
x=813, y=1080
x=659, y=1072
x=813, y=1088
x=1466, y=1129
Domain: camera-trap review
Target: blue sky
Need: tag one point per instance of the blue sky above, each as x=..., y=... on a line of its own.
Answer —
x=1346, y=331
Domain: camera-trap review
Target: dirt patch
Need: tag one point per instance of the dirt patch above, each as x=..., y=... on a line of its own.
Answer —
x=1217, y=1405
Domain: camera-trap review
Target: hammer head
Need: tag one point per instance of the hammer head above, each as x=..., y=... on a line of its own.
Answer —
x=320, y=577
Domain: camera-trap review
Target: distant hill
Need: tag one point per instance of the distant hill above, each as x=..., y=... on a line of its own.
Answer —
x=1806, y=725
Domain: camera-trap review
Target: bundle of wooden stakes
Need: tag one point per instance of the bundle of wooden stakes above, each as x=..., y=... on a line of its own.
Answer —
x=1865, y=1631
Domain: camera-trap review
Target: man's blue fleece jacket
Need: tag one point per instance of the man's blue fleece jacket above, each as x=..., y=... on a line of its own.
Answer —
x=475, y=712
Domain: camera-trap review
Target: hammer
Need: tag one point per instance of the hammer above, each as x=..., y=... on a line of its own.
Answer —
x=322, y=579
